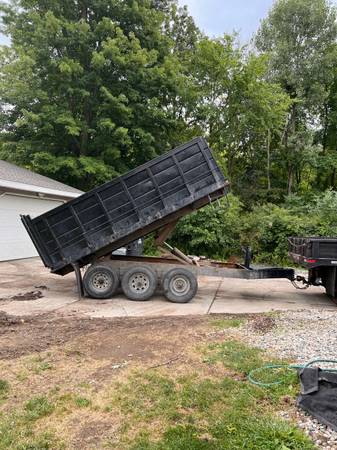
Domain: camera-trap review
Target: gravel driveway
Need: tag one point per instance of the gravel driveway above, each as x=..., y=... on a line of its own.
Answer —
x=300, y=336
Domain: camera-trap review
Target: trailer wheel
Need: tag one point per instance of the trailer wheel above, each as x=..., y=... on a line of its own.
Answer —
x=180, y=285
x=139, y=283
x=100, y=281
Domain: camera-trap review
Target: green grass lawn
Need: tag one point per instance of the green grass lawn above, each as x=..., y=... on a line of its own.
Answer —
x=200, y=412
x=203, y=401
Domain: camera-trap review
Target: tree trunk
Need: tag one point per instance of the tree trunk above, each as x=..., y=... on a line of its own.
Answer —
x=84, y=134
x=290, y=128
x=268, y=161
x=333, y=178
x=84, y=137
x=230, y=163
x=84, y=10
x=290, y=179
x=320, y=176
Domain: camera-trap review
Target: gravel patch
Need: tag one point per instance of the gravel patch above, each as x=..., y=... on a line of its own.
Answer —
x=322, y=436
x=299, y=336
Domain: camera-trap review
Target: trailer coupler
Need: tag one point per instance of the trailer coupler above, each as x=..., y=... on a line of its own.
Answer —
x=299, y=279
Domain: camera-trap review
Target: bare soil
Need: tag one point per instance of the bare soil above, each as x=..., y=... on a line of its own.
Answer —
x=72, y=355
x=97, y=338
x=23, y=296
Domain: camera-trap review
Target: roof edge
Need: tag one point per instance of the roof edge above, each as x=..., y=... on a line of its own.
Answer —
x=14, y=185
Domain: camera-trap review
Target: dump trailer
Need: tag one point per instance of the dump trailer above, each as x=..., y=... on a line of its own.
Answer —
x=81, y=235
x=319, y=256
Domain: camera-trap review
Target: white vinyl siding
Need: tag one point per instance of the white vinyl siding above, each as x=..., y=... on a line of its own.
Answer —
x=15, y=242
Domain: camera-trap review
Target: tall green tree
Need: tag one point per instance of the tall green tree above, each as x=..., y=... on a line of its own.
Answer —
x=239, y=110
x=87, y=87
x=300, y=38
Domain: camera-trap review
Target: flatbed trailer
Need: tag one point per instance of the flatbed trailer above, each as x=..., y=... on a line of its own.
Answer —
x=319, y=256
x=81, y=235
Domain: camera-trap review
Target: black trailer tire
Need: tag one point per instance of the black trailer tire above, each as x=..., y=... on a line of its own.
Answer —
x=180, y=285
x=101, y=281
x=139, y=283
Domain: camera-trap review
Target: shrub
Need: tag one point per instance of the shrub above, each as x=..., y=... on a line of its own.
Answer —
x=213, y=231
x=267, y=229
x=219, y=230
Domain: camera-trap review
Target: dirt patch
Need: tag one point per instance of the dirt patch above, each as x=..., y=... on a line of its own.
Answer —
x=118, y=340
x=88, y=370
x=262, y=324
x=91, y=432
x=23, y=296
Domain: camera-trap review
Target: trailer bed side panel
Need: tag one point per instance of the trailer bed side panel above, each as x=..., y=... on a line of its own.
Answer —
x=119, y=211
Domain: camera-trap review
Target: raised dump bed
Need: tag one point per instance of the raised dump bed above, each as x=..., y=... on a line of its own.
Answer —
x=127, y=208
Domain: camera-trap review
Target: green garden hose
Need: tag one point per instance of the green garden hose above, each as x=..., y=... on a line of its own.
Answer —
x=285, y=366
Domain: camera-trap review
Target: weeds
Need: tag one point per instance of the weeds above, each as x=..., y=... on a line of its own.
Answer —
x=4, y=388
x=82, y=402
x=38, y=407
x=222, y=324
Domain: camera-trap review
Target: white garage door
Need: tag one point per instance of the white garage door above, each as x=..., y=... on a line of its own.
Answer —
x=14, y=240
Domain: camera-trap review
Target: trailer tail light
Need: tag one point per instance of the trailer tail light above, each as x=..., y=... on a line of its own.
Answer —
x=311, y=261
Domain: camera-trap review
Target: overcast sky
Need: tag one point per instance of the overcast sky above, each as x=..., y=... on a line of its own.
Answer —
x=216, y=17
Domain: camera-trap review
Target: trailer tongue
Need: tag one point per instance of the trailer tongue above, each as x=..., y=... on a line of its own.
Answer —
x=151, y=198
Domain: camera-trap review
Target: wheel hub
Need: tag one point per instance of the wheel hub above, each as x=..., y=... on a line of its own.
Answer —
x=139, y=282
x=180, y=285
x=100, y=281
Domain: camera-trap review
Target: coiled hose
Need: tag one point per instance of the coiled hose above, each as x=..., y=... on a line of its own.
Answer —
x=253, y=372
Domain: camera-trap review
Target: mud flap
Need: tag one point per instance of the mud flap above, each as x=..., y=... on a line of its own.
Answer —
x=330, y=281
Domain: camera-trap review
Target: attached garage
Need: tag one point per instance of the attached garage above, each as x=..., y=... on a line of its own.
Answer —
x=25, y=192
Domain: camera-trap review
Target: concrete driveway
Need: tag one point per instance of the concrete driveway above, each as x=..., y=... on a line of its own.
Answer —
x=215, y=295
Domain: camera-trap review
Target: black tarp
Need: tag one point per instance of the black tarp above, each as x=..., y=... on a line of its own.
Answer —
x=319, y=395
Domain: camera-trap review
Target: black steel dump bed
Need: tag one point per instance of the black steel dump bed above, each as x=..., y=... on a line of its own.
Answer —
x=127, y=208
x=313, y=251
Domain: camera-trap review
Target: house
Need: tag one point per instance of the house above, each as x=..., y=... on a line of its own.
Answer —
x=25, y=192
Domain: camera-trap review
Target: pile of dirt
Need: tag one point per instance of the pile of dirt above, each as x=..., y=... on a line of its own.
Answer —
x=23, y=296
x=7, y=320
x=262, y=324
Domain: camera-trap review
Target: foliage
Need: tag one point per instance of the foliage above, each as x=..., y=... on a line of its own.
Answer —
x=220, y=230
x=237, y=108
x=300, y=38
x=213, y=231
x=267, y=229
x=89, y=87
